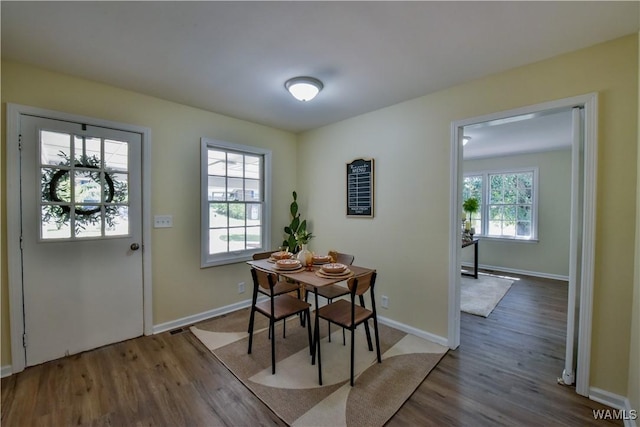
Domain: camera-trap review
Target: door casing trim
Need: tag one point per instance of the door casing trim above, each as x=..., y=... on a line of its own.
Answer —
x=590, y=104
x=14, y=253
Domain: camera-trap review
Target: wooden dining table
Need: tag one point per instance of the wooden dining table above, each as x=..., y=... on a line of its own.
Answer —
x=309, y=277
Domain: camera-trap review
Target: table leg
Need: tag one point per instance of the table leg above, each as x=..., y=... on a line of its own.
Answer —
x=475, y=260
x=316, y=340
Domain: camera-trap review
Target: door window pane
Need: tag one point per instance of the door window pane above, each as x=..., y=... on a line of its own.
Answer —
x=89, y=188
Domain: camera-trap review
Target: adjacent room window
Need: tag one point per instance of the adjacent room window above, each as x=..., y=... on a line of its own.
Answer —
x=508, y=203
x=235, y=201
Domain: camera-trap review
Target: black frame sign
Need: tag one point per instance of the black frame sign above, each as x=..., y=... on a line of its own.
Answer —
x=360, y=188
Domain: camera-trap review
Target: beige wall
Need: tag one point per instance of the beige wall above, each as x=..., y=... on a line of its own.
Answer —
x=180, y=287
x=634, y=355
x=549, y=256
x=408, y=239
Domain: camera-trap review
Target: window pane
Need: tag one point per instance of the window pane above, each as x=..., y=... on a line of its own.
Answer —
x=235, y=164
x=87, y=151
x=87, y=187
x=495, y=189
x=254, y=237
x=524, y=213
x=116, y=155
x=55, y=222
x=218, y=213
x=235, y=189
x=495, y=228
x=523, y=229
x=254, y=213
x=236, y=239
x=252, y=190
x=55, y=148
x=236, y=214
x=218, y=238
x=509, y=213
x=252, y=167
x=89, y=225
x=55, y=186
x=120, y=192
x=217, y=163
x=116, y=221
x=217, y=188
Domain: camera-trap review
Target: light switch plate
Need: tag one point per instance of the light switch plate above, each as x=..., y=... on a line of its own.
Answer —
x=163, y=221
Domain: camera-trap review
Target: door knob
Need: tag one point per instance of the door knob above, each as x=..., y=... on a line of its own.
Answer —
x=135, y=246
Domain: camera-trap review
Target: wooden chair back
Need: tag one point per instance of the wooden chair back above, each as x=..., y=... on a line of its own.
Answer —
x=361, y=284
x=264, y=279
x=262, y=255
x=345, y=259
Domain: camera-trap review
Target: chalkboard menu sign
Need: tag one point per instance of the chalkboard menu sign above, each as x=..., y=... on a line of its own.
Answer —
x=360, y=188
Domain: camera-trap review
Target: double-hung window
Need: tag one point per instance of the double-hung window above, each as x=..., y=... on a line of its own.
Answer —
x=235, y=201
x=508, y=203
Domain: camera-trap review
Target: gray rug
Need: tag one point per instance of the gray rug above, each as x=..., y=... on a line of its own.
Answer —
x=480, y=296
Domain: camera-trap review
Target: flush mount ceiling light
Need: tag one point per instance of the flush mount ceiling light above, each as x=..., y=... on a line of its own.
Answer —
x=303, y=88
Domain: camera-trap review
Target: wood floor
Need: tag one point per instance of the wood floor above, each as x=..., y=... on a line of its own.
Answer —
x=504, y=373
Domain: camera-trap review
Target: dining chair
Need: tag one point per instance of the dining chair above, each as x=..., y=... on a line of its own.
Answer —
x=282, y=286
x=276, y=308
x=350, y=315
x=331, y=292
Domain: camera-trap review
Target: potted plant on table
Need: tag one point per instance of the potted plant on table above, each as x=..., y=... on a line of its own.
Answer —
x=297, y=234
x=471, y=206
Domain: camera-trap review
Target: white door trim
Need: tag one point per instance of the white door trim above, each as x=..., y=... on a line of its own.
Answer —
x=14, y=258
x=590, y=104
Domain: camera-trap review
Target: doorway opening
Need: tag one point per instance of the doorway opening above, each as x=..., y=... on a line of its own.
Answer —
x=581, y=229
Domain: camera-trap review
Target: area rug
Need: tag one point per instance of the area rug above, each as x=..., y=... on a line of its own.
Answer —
x=480, y=296
x=293, y=392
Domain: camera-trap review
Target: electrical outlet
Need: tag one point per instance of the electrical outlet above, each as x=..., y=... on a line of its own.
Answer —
x=385, y=301
x=241, y=288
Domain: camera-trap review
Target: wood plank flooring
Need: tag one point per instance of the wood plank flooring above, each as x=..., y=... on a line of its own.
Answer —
x=504, y=373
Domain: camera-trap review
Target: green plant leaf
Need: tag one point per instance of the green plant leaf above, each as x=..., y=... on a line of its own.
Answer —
x=295, y=224
x=287, y=230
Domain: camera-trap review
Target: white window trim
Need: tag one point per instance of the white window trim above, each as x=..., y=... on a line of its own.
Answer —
x=485, y=198
x=237, y=256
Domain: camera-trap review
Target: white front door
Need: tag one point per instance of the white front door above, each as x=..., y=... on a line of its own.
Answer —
x=81, y=218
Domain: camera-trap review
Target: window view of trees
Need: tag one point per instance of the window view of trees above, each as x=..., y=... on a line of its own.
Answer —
x=509, y=210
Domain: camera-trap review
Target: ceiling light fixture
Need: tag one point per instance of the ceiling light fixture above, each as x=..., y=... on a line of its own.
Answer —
x=465, y=139
x=303, y=88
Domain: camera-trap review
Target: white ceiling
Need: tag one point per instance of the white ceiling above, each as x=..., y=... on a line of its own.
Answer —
x=234, y=57
x=529, y=133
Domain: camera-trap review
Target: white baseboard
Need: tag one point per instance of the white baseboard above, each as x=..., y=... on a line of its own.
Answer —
x=628, y=414
x=195, y=318
x=6, y=371
x=518, y=271
x=413, y=331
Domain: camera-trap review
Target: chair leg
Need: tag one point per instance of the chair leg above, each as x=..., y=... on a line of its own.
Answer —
x=301, y=314
x=329, y=323
x=273, y=345
x=306, y=313
x=353, y=340
x=251, y=319
x=368, y=333
x=375, y=330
